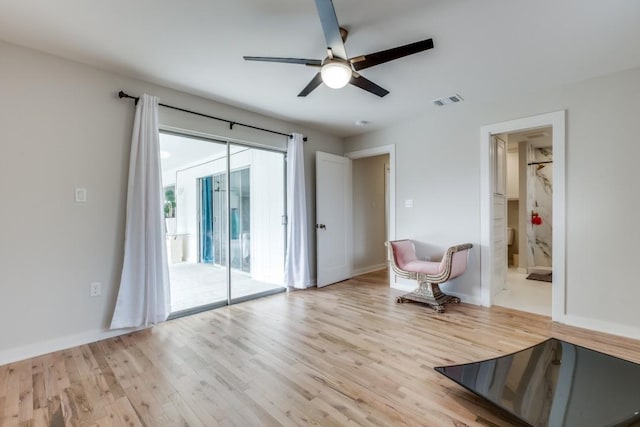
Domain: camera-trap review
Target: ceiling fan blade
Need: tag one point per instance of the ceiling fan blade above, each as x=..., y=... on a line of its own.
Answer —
x=310, y=62
x=331, y=28
x=368, y=85
x=366, y=61
x=314, y=83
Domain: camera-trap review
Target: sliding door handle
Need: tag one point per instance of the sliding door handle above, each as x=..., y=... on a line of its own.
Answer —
x=321, y=226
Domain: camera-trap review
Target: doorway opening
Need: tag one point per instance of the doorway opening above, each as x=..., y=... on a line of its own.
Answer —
x=529, y=220
x=494, y=209
x=370, y=213
x=373, y=181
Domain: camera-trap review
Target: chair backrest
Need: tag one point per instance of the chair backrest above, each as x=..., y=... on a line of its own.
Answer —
x=403, y=252
x=400, y=252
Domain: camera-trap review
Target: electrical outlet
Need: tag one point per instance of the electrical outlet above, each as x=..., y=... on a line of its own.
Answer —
x=95, y=289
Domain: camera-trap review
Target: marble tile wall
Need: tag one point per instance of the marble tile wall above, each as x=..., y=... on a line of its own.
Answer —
x=539, y=200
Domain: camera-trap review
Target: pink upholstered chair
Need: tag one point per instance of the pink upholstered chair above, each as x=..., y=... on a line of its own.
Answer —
x=405, y=263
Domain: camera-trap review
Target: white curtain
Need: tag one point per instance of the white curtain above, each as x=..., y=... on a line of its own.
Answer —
x=143, y=298
x=297, y=274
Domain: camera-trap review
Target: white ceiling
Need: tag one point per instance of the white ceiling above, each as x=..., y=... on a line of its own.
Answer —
x=484, y=49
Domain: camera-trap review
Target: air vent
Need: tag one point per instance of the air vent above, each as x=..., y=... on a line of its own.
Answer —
x=447, y=100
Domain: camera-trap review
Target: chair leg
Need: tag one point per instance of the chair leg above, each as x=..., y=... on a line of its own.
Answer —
x=430, y=294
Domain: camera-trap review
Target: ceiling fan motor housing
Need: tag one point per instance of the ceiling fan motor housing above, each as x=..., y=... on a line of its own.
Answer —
x=337, y=69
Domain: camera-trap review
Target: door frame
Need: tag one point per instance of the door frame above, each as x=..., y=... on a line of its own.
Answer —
x=227, y=142
x=557, y=121
x=391, y=221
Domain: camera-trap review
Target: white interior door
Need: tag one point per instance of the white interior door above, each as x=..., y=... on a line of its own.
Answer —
x=333, y=218
x=499, y=223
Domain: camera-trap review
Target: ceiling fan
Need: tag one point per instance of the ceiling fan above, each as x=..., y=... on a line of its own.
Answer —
x=337, y=69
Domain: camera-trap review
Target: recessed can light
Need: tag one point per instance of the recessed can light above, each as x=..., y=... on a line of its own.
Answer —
x=362, y=122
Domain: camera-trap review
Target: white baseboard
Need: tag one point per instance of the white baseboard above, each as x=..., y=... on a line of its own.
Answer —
x=466, y=298
x=602, y=326
x=49, y=346
x=371, y=268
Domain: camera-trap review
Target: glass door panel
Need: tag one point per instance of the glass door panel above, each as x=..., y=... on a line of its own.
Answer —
x=240, y=220
x=195, y=170
x=257, y=207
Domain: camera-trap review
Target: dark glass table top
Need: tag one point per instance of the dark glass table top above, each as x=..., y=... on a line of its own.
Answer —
x=556, y=383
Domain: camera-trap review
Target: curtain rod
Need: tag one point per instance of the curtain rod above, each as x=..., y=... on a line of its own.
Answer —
x=121, y=94
x=539, y=163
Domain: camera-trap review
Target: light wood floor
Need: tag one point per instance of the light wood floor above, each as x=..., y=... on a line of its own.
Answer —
x=339, y=356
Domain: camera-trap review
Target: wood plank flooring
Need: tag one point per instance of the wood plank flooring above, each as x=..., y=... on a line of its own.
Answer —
x=345, y=355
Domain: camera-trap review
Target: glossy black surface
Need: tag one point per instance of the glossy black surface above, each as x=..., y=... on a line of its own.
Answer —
x=556, y=383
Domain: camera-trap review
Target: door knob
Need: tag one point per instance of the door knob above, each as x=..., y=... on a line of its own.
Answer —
x=321, y=226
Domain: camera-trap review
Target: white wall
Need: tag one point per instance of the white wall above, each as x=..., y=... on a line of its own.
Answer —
x=369, y=234
x=64, y=127
x=438, y=165
x=441, y=178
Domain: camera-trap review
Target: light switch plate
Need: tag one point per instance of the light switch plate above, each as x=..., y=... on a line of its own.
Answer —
x=81, y=195
x=408, y=203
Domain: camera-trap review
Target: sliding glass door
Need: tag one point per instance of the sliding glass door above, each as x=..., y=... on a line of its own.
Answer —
x=192, y=168
x=226, y=237
x=257, y=209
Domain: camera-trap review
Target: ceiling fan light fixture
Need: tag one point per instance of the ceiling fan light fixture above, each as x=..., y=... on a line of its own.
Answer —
x=335, y=74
